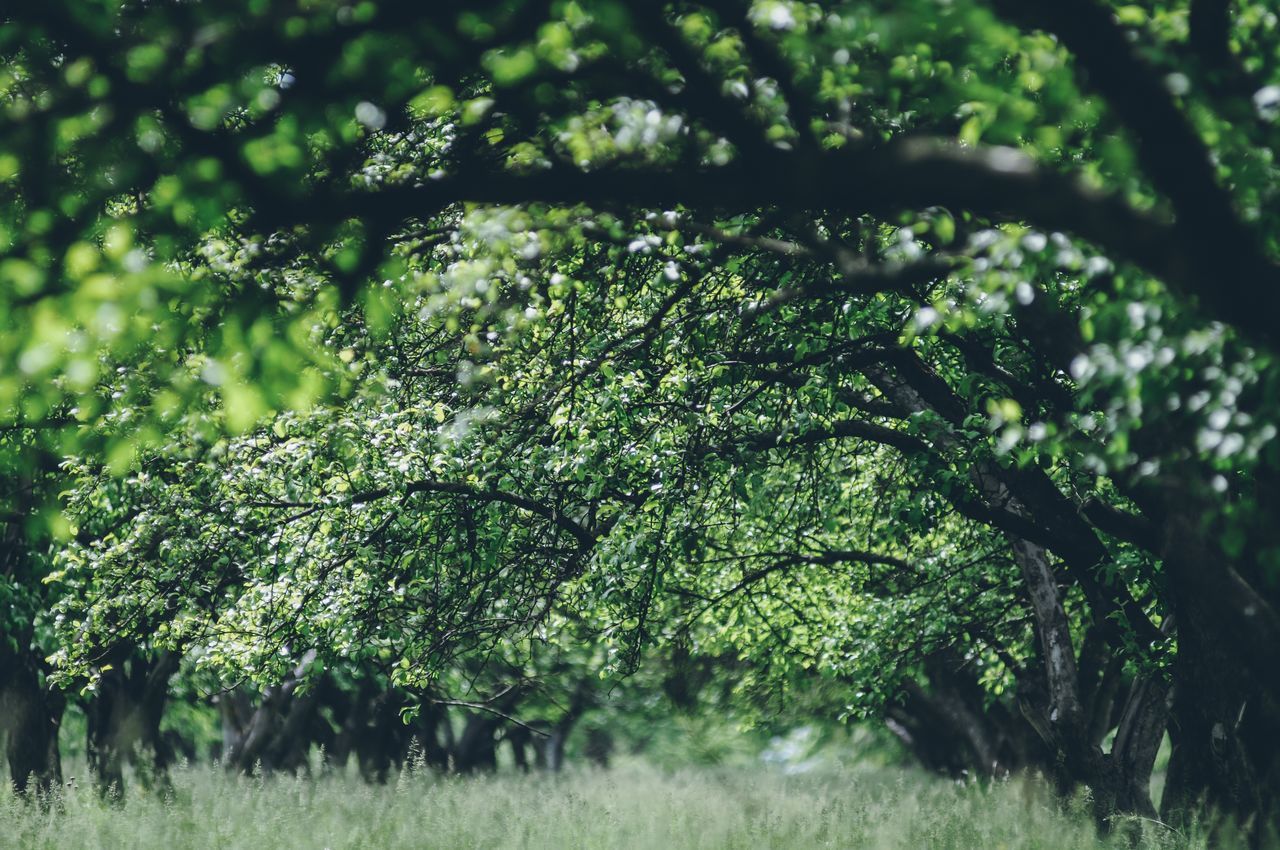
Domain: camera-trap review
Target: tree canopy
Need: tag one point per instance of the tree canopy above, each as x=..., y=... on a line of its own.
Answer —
x=924, y=349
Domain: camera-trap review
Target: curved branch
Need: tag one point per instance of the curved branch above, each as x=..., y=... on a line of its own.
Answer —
x=1202, y=254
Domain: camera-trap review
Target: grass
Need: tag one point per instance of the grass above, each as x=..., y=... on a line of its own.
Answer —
x=630, y=807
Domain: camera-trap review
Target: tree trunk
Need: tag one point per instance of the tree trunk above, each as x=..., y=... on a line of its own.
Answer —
x=598, y=747
x=520, y=739
x=1034, y=514
x=251, y=736
x=32, y=715
x=1226, y=753
x=947, y=727
x=476, y=749
x=434, y=735
x=30, y=711
x=553, y=747
x=384, y=740
x=1211, y=766
x=1133, y=753
x=124, y=717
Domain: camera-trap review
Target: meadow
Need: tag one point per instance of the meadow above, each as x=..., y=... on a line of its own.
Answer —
x=632, y=806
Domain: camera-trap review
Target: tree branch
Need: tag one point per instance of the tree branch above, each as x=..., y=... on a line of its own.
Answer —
x=1226, y=266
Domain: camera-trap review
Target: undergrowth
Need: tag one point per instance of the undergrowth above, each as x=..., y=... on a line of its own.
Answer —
x=633, y=806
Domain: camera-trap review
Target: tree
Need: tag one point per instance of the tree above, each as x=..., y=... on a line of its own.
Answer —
x=1022, y=254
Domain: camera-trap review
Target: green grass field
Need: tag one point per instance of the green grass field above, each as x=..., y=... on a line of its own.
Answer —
x=630, y=807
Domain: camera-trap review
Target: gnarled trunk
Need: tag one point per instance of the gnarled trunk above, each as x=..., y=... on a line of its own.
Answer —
x=951, y=727
x=269, y=734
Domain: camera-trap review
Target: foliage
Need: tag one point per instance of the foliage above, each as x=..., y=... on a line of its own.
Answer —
x=905, y=359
